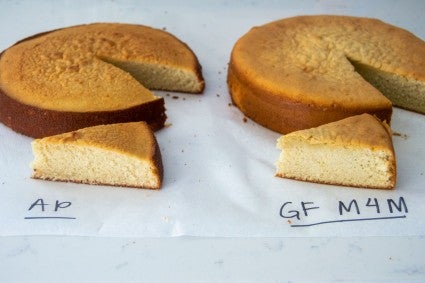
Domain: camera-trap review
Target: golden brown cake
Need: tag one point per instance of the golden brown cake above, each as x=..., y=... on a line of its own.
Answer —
x=125, y=154
x=306, y=71
x=356, y=151
x=92, y=74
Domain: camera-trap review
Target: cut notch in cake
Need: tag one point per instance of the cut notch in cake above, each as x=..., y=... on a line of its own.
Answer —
x=356, y=151
x=125, y=154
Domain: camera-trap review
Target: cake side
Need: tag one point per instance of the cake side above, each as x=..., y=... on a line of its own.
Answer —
x=284, y=115
x=37, y=122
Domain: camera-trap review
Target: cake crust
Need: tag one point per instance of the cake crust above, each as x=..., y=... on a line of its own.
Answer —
x=284, y=115
x=324, y=182
x=37, y=123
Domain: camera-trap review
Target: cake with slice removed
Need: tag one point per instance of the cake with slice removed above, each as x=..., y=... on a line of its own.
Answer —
x=356, y=151
x=125, y=154
x=87, y=75
x=302, y=72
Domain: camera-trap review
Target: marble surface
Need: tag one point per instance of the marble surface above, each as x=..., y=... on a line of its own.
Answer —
x=29, y=258
x=86, y=259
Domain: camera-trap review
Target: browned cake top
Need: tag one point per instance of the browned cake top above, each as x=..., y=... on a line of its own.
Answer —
x=361, y=130
x=134, y=139
x=68, y=69
x=304, y=58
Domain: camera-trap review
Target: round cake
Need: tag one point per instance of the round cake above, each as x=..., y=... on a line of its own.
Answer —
x=93, y=74
x=306, y=71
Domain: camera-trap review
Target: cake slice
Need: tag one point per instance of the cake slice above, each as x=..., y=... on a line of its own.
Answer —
x=125, y=154
x=356, y=151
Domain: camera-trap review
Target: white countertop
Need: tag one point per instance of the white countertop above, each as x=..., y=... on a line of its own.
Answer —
x=87, y=259
x=26, y=258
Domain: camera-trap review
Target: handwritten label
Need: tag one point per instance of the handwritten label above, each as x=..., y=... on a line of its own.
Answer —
x=374, y=208
x=47, y=210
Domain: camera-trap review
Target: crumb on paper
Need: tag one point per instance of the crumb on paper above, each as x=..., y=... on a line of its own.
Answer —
x=397, y=134
x=289, y=221
x=230, y=104
x=245, y=119
x=218, y=95
x=166, y=125
x=175, y=97
x=219, y=262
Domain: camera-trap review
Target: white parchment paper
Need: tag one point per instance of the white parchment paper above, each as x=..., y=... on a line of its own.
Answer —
x=219, y=169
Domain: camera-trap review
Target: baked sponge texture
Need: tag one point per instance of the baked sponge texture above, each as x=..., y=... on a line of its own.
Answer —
x=125, y=154
x=356, y=151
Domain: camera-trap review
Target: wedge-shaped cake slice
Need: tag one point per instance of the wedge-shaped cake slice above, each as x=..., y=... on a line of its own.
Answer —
x=125, y=154
x=356, y=151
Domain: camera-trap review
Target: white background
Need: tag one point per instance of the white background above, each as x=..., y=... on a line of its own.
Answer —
x=315, y=255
